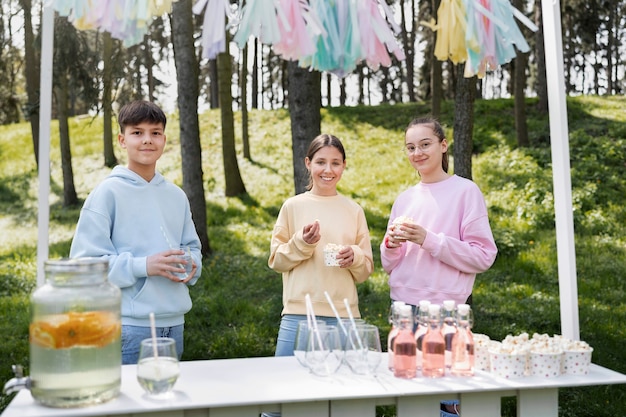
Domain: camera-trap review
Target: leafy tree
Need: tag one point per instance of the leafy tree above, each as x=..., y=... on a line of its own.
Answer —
x=305, y=102
x=31, y=75
x=541, y=86
x=243, y=82
x=10, y=62
x=191, y=151
x=408, y=39
x=463, y=123
x=107, y=106
x=519, y=88
x=234, y=182
x=72, y=75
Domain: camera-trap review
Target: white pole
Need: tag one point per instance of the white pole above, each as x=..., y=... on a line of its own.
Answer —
x=45, y=117
x=559, y=139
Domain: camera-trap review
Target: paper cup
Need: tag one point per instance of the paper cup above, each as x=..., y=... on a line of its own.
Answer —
x=508, y=365
x=547, y=365
x=576, y=362
x=330, y=257
x=481, y=352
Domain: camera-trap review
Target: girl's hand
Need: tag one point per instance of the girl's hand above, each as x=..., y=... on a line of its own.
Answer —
x=410, y=232
x=345, y=257
x=391, y=242
x=311, y=232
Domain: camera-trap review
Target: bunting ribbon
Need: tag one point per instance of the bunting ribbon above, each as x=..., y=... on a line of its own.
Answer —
x=325, y=35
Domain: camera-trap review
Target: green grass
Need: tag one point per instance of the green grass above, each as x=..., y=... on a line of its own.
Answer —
x=237, y=302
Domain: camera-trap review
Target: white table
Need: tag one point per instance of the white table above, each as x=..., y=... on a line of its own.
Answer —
x=245, y=387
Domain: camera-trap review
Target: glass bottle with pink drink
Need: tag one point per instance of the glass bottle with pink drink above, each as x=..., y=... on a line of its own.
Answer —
x=404, y=346
x=448, y=329
x=434, y=346
x=422, y=328
x=394, y=320
x=463, y=343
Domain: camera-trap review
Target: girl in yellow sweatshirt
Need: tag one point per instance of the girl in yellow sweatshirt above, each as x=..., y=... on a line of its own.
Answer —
x=306, y=224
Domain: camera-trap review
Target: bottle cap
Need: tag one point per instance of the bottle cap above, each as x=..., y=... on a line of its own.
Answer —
x=463, y=309
x=424, y=304
x=448, y=305
x=434, y=309
x=405, y=311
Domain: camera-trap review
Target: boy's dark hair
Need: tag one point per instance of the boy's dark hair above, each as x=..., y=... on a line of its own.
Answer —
x=140, y=111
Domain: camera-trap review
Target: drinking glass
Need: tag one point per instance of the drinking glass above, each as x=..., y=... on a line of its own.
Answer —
x=344, y=328
x=187, y=266
x=324, y=353
x=302, y=338
x=363, y=353
x=158, y=368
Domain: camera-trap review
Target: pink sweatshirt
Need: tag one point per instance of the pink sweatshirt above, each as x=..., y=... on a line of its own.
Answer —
x=458, y=245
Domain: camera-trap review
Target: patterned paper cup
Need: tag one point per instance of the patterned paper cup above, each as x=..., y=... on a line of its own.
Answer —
x=576, y=362
x=481, y=352
x=330, y=254
x=508, y=365
x=547, y=365
x=330, y=257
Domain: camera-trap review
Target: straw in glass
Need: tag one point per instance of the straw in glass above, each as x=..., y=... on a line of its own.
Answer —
x=330, y=301
x=356, y=332
x=155, y=351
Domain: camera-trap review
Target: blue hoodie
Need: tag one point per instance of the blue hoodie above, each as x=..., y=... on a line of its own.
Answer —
x=125, y=219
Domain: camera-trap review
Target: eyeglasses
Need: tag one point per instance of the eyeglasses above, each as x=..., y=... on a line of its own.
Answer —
x=410, y=149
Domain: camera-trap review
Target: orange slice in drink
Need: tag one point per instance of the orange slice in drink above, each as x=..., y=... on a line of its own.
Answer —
x=94, y=328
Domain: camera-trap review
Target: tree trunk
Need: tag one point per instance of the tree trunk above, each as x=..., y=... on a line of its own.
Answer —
x=610, y=48
x=328, y=90
x=149, y=64
x=361, y=72
x=31, y=73
x=540, y=56
x=305, y=102
x=234, y=183
x=214, y=80
x=188, y=90
x=69, y=191
x=436, y=79
x=342, y=92
x=463, y=123
x=255, y=76
x=244, y=104
x=408, y=39
x=519, y=86
x=107, y=82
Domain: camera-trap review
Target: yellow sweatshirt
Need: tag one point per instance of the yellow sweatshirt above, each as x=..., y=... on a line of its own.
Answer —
x=342, y=221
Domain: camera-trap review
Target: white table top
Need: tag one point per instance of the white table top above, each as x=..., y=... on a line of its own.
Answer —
x=270, y=380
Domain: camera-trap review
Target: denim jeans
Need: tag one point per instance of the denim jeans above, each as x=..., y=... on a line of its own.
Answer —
x=133, y=335
x=287, y=332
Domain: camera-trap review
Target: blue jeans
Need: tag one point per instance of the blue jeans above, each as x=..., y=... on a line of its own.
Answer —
x=133, y=335
x=287, y=332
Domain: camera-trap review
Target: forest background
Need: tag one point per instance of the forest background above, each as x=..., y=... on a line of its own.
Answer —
x=94, y=74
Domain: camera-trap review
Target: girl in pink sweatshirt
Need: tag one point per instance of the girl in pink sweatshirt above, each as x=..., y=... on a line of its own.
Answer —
x=442, y=239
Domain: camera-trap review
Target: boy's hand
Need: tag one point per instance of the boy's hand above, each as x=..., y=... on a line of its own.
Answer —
x=166, y=263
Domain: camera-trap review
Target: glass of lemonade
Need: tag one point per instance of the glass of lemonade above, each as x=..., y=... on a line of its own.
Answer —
x=158, y=369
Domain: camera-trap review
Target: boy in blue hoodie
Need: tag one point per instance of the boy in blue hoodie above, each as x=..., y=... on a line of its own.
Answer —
x=138, y=220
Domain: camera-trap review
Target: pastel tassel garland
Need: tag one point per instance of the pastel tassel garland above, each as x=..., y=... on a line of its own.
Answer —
x=299, y=30
x=216, y=13
x=259, y=18
x=325, y=35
